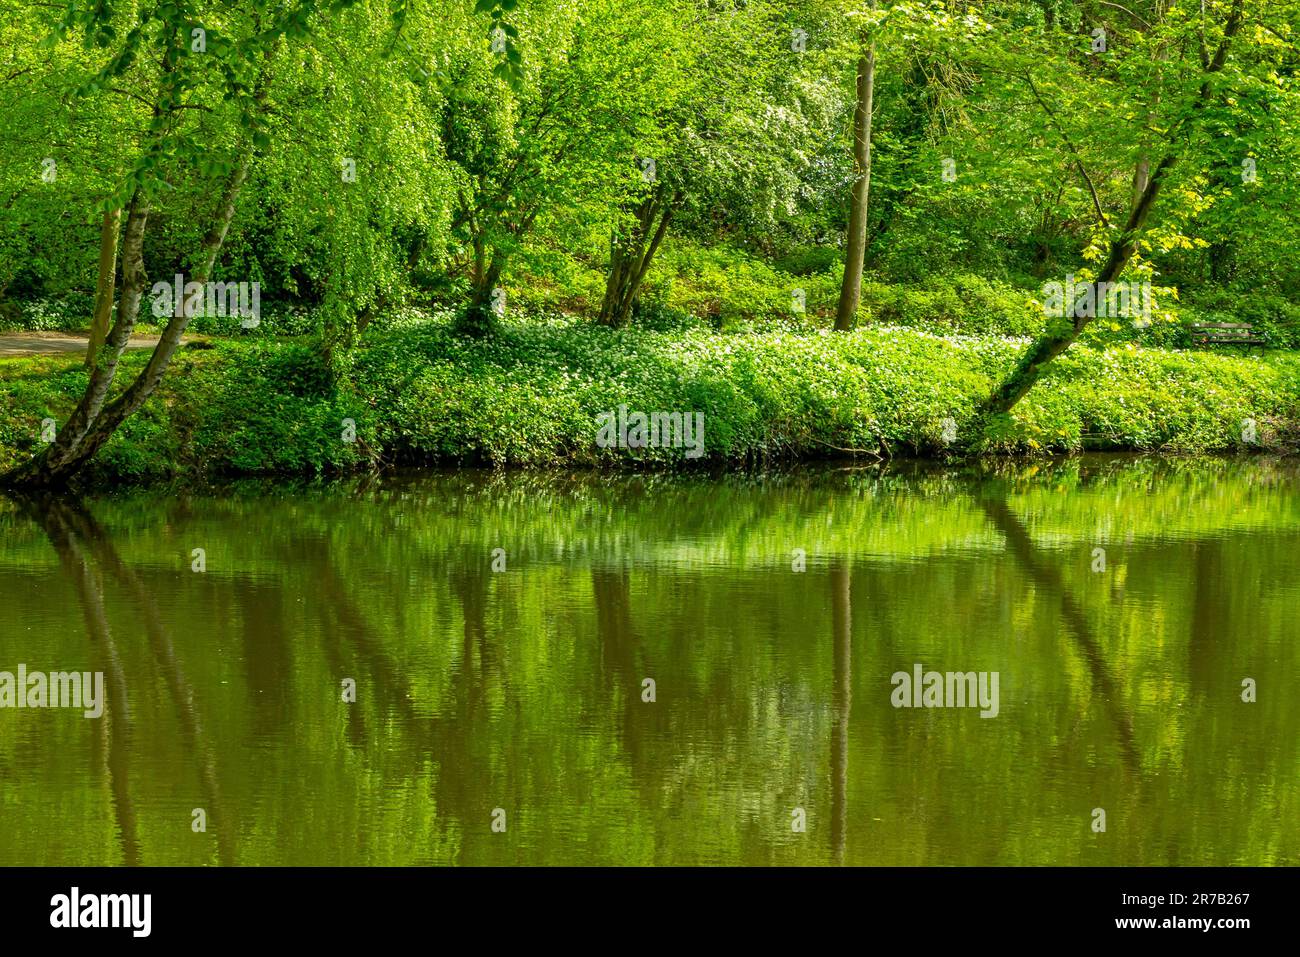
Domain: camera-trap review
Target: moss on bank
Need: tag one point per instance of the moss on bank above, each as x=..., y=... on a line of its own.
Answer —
x=530, y=395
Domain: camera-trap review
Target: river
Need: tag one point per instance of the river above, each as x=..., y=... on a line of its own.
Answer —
x=489, y=668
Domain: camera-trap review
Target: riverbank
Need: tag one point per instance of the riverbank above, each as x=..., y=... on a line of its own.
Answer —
x=532, y=394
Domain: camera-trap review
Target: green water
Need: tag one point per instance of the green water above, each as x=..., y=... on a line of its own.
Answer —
x=522, y=689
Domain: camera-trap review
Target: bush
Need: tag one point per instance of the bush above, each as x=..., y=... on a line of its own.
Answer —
x=810, y=261
x=68, y=313
x=964, y=304
x=529, y=395
x=732, y=290
x=274, y=319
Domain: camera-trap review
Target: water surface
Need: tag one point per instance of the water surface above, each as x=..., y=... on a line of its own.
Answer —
x=522, y=689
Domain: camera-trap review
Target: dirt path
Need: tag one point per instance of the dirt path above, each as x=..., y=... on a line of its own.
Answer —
x=54, y=343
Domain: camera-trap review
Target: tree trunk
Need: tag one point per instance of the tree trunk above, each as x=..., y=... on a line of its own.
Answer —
x=1141, y=175
x=1063, y=334
x=138, y=391
x=856, y=246
x=104, y=288
x=1142, y=172
x=93, y=422
x=631, y=256
x=59, y=459
x=479, y=318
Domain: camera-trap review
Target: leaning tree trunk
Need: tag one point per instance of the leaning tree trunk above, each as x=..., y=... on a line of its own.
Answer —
x=104, y=288
x=1062, y=335
x=94, y=420
x=631, y=255
x=856, y=247
x=60, y=458
x=126, y=404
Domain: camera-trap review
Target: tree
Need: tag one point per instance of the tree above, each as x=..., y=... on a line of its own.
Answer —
x=552, y=142
x=56, y=162
x=855, y=246
x=734, y=132
x=197, y=77
x=197, y=67
x=1121, y=242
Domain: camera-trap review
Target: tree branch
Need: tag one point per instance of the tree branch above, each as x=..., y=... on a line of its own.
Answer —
x=1078, y=160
